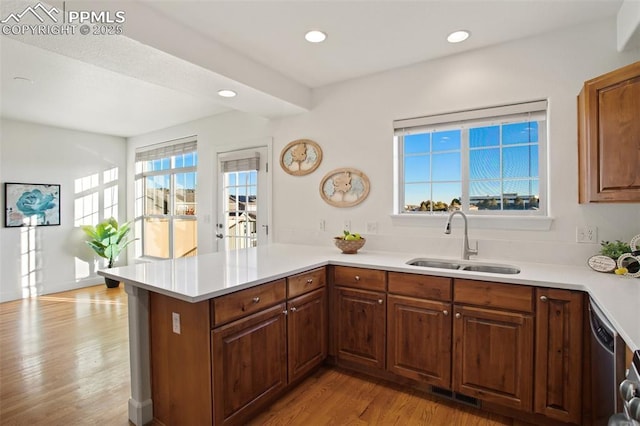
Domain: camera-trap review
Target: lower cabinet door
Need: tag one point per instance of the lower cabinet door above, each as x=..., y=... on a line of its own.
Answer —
x=249, y=364
x=307, y=332
x=419, y=339
x=360, y=327
x=558, y=383
x=493, y=356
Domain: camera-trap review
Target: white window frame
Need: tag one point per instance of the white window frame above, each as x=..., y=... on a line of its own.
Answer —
x=503, y=219
x=170, y=149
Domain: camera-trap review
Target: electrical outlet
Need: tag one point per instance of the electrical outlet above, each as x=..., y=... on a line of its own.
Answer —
x=321, y=225
x=587, y=234
x=347, y=225
x=372, y=227
x=175, y=319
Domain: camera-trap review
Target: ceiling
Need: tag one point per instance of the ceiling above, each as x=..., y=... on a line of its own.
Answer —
x=173, y=56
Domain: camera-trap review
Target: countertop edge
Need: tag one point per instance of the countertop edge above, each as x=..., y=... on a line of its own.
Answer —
x=552, y=276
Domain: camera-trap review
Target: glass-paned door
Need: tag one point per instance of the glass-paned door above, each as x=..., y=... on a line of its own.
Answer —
x=243, y=213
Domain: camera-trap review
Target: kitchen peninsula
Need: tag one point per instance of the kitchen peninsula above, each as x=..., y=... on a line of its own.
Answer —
x=279, y=268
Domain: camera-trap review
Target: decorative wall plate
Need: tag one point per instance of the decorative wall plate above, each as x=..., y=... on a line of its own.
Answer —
x=344, y=187
x=301, y=157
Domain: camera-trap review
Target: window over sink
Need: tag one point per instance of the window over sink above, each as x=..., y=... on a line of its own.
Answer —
x=485, y=162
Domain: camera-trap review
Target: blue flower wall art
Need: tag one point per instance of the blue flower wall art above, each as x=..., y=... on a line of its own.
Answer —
x=29, y=204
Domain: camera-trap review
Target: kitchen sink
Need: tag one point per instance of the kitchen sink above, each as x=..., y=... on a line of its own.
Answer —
x=464, y=266
x=493, y=269
x=428, y=263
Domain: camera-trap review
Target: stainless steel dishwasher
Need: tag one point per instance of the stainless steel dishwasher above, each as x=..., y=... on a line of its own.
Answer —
x=607, y=367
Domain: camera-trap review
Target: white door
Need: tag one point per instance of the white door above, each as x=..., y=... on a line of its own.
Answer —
x=243, y=191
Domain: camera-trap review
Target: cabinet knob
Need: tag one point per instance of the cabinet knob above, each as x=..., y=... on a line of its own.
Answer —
x=285, y=312
x=380, y=301
x=544, y=298
x=445, y=312
x=357, y=277
x=293, y=309
x=310, y=281
x=458, y=315
x=256, y=299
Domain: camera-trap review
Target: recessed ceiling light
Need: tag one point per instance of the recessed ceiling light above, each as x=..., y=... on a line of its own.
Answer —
x=226, y=93
x=315, y=36
x=458, y=36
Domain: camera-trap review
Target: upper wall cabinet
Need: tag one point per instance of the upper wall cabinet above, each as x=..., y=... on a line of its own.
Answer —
x=609, y=137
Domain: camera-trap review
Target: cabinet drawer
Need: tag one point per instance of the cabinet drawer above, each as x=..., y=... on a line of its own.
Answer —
x=496, y=295
x=239, y=304
x=306, y=282
x=422, y=286
x=370, y=279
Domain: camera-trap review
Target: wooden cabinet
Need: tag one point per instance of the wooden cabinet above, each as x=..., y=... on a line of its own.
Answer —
x=307, y=332
x=419, y=328
x=249, y=359
x=493, y=344
x=257, y=356
x=180, y=363
x=360, y=316
x=558, y=360
x=609, y=137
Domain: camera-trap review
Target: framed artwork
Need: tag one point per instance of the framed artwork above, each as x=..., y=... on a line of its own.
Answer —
x=31, y=204
x=344, y=187
x=300, y=157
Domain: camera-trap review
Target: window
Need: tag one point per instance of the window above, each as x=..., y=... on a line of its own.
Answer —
x=240, y=172
x=483, y=162
x=166, y=205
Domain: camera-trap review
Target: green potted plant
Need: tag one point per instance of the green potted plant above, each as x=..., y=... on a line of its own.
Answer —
x=108, y=239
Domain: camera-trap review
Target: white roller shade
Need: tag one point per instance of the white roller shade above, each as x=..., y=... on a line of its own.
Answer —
x=533, y=111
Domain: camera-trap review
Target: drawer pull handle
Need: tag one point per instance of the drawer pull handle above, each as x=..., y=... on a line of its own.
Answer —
x=357, y=277
x=293, y=309
x=445, y=312
x=544, y=298
x=256, y=299
x=380, y=301
x=458, y=315
x=310, y=281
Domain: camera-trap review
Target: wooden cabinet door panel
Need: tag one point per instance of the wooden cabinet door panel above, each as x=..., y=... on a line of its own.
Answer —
x=307, y=332
x=360, y=324
x=493, y=356
x=558, y=382
x=419, y=339
x=249, y=363
x=609, y=137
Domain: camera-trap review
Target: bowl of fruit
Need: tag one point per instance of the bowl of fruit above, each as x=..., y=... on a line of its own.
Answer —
x=349, y=243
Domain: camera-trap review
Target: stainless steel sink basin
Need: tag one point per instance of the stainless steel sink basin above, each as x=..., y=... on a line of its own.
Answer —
x=464, y=266
x=493, y=269
x=428, y=263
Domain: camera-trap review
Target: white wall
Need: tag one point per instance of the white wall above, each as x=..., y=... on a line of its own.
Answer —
x=220, y=133
x=352, y=122
x=32, y=153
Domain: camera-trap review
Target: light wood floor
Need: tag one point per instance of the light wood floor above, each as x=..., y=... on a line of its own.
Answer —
x=64, y=361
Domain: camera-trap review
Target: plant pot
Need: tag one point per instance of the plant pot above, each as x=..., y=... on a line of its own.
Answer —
x=111, y=283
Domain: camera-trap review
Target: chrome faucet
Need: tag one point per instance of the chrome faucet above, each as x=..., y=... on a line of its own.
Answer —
x=466, y=250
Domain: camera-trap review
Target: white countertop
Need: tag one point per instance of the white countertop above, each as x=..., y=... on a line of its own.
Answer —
x=203, y=277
